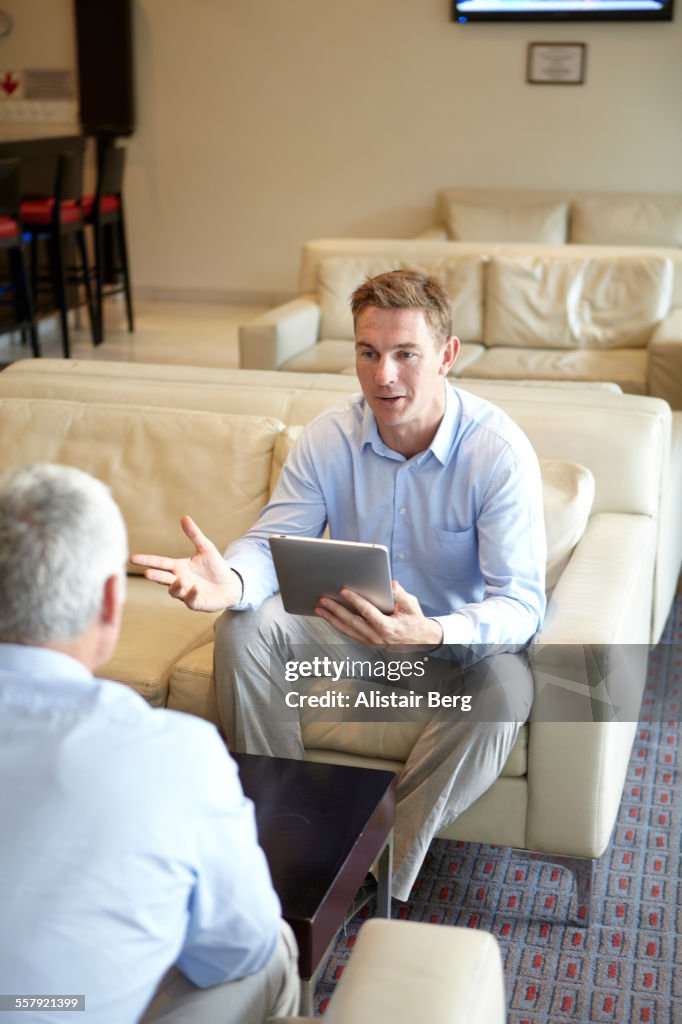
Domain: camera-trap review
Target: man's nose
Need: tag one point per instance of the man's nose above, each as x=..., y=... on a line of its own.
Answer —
x=385, y=372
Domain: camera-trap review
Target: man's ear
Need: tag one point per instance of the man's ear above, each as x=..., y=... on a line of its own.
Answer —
x=449, y=355
x=112, y=601
x=105, y=632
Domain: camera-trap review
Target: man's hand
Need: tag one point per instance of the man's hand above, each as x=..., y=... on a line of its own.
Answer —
x=203, y=582
x=405, y=627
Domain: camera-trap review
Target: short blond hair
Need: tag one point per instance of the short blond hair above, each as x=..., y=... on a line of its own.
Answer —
x=407, y=289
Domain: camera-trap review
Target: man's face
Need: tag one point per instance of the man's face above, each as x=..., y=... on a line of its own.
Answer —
x=401, y=367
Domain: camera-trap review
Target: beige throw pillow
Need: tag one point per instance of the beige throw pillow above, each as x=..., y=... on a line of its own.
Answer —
x=470, y=222
x=568, y=496
x=652, y=220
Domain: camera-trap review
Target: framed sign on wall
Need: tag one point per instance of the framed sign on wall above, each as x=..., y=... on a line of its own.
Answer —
x=556, y=63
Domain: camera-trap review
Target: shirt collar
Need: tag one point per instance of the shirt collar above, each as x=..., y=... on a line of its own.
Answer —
x=42, y=662
x=441, y=445
x=442, y=439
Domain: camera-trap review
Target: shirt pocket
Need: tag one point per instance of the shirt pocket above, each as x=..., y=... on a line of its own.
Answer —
x=455, y=553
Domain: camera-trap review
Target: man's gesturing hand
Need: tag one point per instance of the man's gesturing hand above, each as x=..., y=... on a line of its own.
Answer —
x=405, y=627
x=203, y=581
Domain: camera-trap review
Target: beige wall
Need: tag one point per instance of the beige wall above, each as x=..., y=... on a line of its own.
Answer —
x=265, y=122
x=42, y=37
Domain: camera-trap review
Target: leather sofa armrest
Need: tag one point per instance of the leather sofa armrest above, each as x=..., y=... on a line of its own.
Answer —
x=403, y=971
x=589, y=667
x=279, y=334
x=664, y=352
x=604, y=592
x=437, y=233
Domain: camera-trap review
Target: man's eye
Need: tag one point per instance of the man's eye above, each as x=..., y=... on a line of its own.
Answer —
x=406, y=355
x=365, y=354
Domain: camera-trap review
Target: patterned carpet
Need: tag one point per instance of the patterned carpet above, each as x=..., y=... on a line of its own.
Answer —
x=627, y=967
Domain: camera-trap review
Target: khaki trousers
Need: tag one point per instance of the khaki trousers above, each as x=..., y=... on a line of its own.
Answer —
x=457, y=755
x=272, y=992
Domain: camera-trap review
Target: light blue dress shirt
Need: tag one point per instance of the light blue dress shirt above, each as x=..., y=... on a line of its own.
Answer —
x=127, y=845
x=463, y=521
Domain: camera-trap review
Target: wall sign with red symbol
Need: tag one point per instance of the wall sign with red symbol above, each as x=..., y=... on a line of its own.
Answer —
x=11, y=85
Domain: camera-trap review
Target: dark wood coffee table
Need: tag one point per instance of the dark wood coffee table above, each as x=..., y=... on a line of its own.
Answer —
x=321, y=826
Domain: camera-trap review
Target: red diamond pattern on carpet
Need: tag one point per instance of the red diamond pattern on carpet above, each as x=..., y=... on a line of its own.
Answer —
x=627, y=966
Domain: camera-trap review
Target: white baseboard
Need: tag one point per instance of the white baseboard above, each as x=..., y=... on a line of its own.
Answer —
x=232, y=296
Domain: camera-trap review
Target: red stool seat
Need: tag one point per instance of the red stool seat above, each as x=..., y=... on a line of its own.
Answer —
x=39, y=211
x=8, y=227
x=107, y=204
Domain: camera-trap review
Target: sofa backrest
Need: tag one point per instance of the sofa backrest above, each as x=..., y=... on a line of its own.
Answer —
x=159, y=463
x=422, y=251
x=559, y=299
x=559, y=215
x=624, y=440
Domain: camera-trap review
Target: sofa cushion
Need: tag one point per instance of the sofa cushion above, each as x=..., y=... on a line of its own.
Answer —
x=335, y=356
x=467, y=356
x=390, y=741
x=192, y=691
x=612, y=220
x=191, y=684
x=221, y=479
x=156, y=633
x=331, y=355
x=526, y=222
x=461, y=276
x=573, y=302
x=625, y=367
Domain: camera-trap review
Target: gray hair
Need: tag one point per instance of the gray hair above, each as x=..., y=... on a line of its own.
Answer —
x=61, y=536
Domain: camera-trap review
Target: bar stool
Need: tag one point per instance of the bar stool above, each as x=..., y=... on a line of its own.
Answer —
x=54, y=220
x=104, y=212
x=11, y=243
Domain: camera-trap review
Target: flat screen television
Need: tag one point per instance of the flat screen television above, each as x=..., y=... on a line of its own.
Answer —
x=562, y=10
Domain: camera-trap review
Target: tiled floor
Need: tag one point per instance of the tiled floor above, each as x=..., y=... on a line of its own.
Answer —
x=198, y=334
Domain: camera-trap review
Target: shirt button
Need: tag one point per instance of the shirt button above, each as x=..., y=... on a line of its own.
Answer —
x=403, y=511
x=401, y=555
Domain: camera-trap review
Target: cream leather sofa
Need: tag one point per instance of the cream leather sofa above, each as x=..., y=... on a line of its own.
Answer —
x=404, y=971
x=171, y=440
x=522, y=312
x=557, y=217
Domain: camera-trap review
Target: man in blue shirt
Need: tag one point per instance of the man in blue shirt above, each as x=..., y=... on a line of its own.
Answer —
x=130, y=872
x=452, y=487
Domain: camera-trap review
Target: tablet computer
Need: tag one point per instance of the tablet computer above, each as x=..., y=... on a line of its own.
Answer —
x=311, y=567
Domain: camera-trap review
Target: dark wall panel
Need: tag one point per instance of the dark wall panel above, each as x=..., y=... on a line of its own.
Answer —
x=105, y=66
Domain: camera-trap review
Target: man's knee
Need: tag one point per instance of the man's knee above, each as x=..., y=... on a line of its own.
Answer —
x=252, y=628
x=500, y=688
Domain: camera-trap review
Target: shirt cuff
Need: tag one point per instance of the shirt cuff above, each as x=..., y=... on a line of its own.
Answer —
x=241, y=580
x=457, y=629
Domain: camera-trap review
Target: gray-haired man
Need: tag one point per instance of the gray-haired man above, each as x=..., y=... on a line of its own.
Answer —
x=129, y=868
